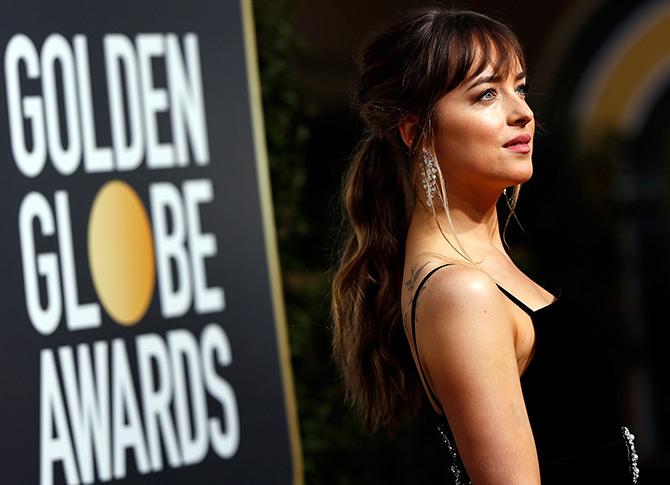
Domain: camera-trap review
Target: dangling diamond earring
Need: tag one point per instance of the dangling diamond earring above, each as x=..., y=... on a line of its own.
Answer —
x=428, y=175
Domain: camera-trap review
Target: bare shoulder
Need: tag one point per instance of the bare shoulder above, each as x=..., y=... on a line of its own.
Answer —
x=461, y=293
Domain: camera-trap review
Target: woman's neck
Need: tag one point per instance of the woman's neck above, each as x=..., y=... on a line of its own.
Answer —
x=476, y=225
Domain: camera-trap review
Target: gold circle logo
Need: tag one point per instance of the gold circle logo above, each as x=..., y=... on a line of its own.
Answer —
x=121, y=252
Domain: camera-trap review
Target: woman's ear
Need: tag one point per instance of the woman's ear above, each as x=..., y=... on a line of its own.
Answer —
x=407, y=128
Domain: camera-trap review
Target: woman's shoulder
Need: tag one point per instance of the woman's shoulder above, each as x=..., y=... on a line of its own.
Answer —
x=445, y=289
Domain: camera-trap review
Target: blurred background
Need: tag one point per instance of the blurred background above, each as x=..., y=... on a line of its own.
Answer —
x=595, y=215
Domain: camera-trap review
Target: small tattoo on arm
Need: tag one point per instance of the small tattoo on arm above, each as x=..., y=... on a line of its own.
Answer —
x=411, y=282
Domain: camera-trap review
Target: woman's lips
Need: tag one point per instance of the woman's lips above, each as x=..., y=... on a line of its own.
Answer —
x=519, y=148
x=519, y=144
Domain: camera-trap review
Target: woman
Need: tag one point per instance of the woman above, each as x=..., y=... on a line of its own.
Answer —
x=426, y=302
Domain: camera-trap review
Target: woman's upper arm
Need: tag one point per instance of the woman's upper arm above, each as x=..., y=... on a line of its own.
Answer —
x=466, y=340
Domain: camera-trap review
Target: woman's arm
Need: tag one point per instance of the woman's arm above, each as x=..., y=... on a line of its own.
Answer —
x=465, y=336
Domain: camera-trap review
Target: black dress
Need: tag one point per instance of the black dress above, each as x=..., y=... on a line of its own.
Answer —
x=570, y=395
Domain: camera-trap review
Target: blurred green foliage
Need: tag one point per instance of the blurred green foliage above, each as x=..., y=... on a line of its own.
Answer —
x=305, y=288
x=285, y=129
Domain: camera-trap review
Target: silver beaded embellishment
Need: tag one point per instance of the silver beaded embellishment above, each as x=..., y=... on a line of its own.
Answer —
x=632, y=455
x=428, y=175
x=455, y=460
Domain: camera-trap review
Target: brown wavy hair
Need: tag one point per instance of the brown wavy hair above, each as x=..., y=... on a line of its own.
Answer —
x=404, y=69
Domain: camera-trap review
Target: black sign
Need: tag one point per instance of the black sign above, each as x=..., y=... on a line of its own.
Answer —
x=142, y=334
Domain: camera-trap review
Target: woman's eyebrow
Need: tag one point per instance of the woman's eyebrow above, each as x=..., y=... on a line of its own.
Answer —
x=493, y=79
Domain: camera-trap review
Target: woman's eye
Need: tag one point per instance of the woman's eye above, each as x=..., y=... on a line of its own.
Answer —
x=522, y=89
x=487, y=95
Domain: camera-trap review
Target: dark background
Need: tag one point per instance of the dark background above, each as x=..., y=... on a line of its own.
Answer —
x=594, y=215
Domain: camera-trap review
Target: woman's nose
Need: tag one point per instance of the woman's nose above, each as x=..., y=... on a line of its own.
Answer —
x=519, y=112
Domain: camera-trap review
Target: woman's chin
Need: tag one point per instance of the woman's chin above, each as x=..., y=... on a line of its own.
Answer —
x=523, y=174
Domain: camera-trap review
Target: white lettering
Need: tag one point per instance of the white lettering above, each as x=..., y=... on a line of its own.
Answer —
x=79, y=316
x=119, y=52
x=175, y=300
x=96, y=159
x=156, y=398
x=44, y=319
x=126, y=422
x=215, y=348
x=52, y=418
x=88, y=407
x=186, y=100
x=65, y=159
x=30, y=162
x=159, y=155
x=174, y=375
x=201, y=245
x=185, y=360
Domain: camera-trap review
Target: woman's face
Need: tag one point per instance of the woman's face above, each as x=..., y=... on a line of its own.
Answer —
x=484, y=133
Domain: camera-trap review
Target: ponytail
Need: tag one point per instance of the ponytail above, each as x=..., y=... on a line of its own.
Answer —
x=369, y=343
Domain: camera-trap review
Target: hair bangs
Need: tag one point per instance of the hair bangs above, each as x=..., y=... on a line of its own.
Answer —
x=473, y=44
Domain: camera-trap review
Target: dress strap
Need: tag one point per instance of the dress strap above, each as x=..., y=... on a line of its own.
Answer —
x=415, y=298
x=518, y=302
